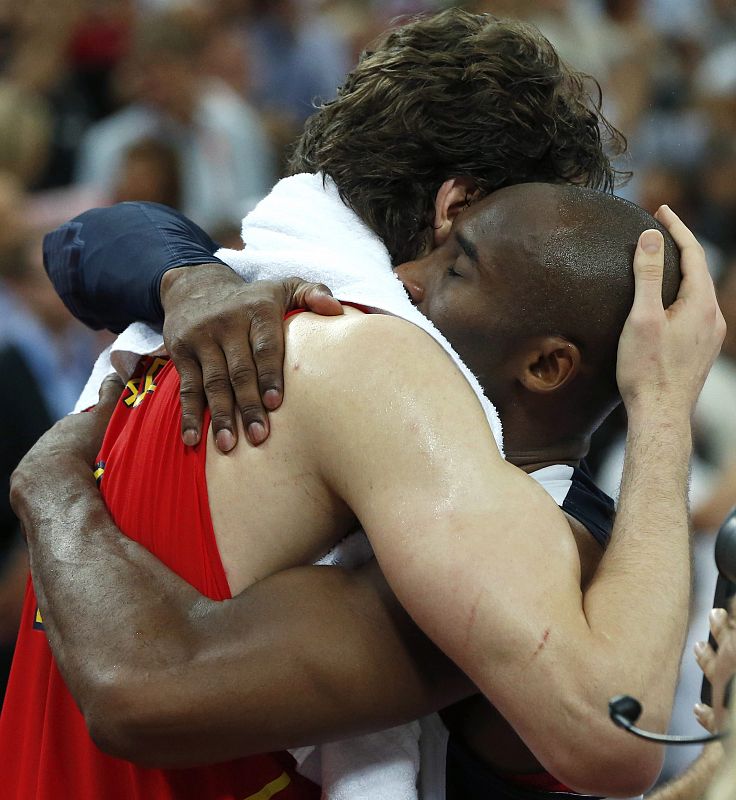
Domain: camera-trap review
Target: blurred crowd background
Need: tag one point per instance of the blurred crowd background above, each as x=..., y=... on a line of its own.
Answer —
x=194, y=103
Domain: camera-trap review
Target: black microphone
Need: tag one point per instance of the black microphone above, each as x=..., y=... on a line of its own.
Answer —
x=625, y=710
x=725, y=551
x=725, y=555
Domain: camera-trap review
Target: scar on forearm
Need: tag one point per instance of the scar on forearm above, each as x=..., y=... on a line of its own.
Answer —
x=541, y=645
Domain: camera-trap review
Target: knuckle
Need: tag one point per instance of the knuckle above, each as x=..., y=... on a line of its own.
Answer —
x=645, y=320
x=261, y=309
x=265, y=347
x=650, y=271
x=222, y=320
x=176, y=346
x=241, y=373
x=190, y=391
x=222, y=418
x=250, y=413
x=191, y=383
x=216, y=384
x=269, y=378
x=647, y=331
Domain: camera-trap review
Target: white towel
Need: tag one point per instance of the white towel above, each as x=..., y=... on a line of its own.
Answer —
x=376, y=766
x=303, y=228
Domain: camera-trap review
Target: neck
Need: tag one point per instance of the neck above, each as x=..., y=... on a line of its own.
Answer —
x=530, y=445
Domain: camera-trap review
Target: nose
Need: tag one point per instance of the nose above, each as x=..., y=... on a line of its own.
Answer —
x=414, y=287
x=416, y=292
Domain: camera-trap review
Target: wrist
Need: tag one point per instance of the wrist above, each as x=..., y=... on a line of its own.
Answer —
x=656, y=413
x=659, y=444
x=168, y=279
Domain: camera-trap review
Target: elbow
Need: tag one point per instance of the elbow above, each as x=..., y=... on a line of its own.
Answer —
x=125, y=721
x=615, y=765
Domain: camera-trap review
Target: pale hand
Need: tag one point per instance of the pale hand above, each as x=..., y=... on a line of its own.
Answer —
x=664, y=355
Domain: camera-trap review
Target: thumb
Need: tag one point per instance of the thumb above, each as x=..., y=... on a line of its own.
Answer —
x=110, y=391
x=648, y=272
x=317, y=298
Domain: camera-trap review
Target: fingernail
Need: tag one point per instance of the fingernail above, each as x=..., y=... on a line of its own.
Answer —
x=651, y=241
x=225, y=440
x=718, y=615
x=699, y=648
x=272, y=399
x=699, y=709
x=190, y=437
x=256, y=432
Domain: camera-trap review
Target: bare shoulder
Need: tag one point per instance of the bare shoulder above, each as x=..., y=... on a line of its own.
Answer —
x=368, y=350
x=372, y=390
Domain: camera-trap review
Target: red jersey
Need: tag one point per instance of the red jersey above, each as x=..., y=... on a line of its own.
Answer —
x=156, y=491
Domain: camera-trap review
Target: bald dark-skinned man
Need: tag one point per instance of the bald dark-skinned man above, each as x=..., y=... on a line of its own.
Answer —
x=553, y=365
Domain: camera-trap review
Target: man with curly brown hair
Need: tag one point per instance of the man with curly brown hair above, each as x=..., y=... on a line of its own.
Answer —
x=456, y=94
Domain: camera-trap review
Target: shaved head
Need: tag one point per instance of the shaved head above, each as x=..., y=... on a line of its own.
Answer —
x=571, y=250
x=588, y=260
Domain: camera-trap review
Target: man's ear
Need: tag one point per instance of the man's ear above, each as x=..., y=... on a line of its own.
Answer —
x=548, y=364
x=453, y=196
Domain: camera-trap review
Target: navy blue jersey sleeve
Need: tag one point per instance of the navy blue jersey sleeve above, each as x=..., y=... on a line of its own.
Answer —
x=107, y=264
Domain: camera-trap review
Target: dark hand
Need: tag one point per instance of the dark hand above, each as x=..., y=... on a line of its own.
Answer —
x=226, y=338
x=76, y=438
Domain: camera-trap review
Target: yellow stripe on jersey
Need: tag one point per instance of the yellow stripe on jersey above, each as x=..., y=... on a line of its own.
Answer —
x=140, y=387
x=271, y=789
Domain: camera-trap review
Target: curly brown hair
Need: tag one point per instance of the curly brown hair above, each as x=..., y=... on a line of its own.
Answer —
x=454, y=94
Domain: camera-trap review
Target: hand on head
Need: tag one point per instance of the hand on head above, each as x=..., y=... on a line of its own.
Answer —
x=665, y=355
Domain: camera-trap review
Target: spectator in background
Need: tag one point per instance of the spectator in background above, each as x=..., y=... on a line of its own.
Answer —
x=44, y=54
x=715, y=212
x=297, y=57
x=25, y=133
x=715, y=419
x=149, y=171
x=225, y=160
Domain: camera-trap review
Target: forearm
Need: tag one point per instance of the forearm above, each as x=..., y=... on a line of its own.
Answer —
x=637, y=605
x=310, y=655
x=635, y=616
x=107, y=263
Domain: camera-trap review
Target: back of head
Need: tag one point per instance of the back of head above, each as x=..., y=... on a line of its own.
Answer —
x=455, y=94
x=583, y=286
